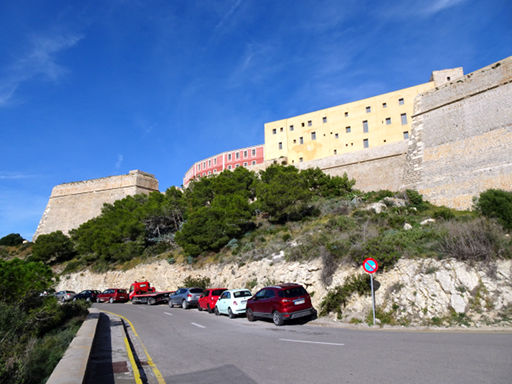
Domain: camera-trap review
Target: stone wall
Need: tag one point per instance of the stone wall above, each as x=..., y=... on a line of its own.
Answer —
x=72, y=204
x=373, y=168
x=461, y=140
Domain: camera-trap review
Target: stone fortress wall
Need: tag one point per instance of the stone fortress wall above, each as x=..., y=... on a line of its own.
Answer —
x=460, y=143
x=461, y=139
x=72, y=204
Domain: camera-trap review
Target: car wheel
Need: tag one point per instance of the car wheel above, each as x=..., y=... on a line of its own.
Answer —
x=184, y=304
x=88, y=299
x=216, y=310
x=111, y=301
x=199, y=308
x=209, y=309
x=250, y=315
x=230, y=313
x=151, y=301
x=277, y=318
x=171, y=305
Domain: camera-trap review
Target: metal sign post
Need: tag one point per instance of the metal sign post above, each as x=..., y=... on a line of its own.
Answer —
x=371, y=266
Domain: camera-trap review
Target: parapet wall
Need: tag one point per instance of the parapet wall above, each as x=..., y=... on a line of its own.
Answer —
x=461, y=139
x=72, y=204
x=373, y=168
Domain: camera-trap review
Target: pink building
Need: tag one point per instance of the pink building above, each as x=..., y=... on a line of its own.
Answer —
x=244, y=157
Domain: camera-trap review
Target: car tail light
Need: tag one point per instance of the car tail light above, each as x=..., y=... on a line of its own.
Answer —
x=189, y=295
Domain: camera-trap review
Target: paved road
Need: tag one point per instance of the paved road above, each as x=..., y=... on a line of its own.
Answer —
x=189, y=346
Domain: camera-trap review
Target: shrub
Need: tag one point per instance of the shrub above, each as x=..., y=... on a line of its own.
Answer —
x=477, y=240
x=444, y=213
x=496, y=203
x=54, y=247
x=12, y=239
x=200, y=282
x=337, y=298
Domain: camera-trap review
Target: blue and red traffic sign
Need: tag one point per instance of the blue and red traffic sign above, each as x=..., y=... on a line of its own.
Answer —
x=370, y=265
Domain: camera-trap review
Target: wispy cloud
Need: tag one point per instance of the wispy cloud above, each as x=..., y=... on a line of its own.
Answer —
x=439, y=5
x=15, y=175
x=119, y=161
x=227, y=15
x=419, y=8
x=39, y=60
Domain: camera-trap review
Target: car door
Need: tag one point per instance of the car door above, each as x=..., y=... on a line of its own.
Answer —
x=223, y=302
x=258, y=303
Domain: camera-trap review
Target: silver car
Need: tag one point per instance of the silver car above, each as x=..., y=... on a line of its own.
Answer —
x=185, y=297
x=65, y=295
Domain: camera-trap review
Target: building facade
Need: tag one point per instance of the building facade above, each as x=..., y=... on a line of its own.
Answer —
x=244, y=157
x=351, y=127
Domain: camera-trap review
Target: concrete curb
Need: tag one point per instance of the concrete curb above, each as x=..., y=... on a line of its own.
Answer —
x=72, y=368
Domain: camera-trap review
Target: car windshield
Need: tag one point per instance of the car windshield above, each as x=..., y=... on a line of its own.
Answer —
x=293, y=292
x=122, y=290
x=196, y=290
x=243, y=294
x=217, y=292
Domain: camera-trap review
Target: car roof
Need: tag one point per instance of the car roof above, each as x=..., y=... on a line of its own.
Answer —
x=284, y=285
x=238, y=290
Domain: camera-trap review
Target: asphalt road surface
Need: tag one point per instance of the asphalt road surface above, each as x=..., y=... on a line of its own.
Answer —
x=189, y=346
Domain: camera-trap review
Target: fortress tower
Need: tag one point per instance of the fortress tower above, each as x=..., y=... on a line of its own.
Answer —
x=72, y=204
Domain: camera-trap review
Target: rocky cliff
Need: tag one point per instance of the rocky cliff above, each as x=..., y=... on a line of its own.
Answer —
x=414, y=292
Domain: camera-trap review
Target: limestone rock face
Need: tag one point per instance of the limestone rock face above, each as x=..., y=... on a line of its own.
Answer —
x=414, y=290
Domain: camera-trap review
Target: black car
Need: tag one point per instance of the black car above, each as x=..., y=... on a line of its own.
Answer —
x=88, y=294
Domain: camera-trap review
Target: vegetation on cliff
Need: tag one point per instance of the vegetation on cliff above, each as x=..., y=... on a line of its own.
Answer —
x=34, y=330
x=242, y=215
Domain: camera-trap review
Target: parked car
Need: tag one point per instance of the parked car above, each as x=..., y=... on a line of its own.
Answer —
x=113, y=295
x=65, y=295
x=209, y=298
x=232, y=302
x=88, y=295
x=280, y=303
x=186, y=297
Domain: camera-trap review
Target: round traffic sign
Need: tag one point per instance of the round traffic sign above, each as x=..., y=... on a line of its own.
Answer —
x=370, y=265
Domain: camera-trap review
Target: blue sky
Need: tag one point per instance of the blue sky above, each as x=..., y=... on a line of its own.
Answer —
x=91, y=89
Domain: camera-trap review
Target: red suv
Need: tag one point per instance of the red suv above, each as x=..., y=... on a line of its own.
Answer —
x=209, y=298
x=280, y=303
x=113, y=295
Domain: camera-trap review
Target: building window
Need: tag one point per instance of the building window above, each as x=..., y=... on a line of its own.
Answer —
x=347, y=129
x=237, y=155
x=229, y=166
x=346, y=114
x=365, y=126
x=214, y=171
x=324, y=119
x=215, y=161
x=209, y=173
x=303, y=125
x=301, y=140
x=368, y=109
x=209, y=163
x=388, y=120
x=229, y=156
x=237, y=165
x=406, y=135
x=401, y=101
x=274, y=131
x=294, y=141
x=245, y=154
x=253, y=162
x=280, y=145
x=313, y=135
x=253, y=152
x=365, y=143
x=384, y=105
x=199, y=167
x=336, y=136
x=300, y=159
x=245, y=164
x=310, y=123
x=204, y=165
x=404, y=118
x=335, y=152
x=291, y=127
x=281, y=129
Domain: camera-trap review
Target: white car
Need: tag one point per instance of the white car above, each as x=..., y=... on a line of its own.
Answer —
x=232, y=302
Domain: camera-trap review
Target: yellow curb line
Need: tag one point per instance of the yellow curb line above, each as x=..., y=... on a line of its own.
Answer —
x=153, y=366
x=136, y=371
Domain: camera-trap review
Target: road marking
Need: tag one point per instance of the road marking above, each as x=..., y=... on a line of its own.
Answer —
x=167, y=313
x=153, y=366
x=136, y=371
x=310, y=342
x=198, y=325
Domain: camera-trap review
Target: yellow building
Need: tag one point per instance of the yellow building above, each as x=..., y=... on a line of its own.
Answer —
x=349, y=127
